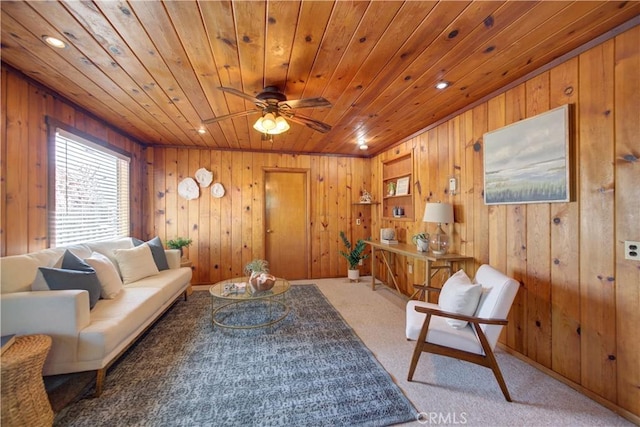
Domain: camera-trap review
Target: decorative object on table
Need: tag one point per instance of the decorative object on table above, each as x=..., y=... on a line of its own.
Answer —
x=421, y=240
x=353, y=255
x=217, y=190
x=179, y=243
x=188, y=189
x=204, y=177
x=440, y=213
x=234, y=289
x=391, y=188
x=402, y=187
x=388, y=236
x=529, y=161
x=366, y=197
x=259, y=278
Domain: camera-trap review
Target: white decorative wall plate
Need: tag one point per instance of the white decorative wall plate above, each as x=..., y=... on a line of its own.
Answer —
x=217, y=190
x=188, y=189
x=204, y=177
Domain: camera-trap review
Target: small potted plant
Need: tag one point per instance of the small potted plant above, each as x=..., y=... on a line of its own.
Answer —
x=179, y=243
x=353, y=255
x=421, y=240
x=259, y=277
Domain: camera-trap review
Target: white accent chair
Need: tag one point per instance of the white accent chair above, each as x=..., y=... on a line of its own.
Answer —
x=427, y=325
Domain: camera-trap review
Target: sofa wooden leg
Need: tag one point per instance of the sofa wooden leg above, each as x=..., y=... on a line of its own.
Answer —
x=100, y=375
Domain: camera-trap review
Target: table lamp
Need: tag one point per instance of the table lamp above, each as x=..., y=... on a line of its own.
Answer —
x=439, y=213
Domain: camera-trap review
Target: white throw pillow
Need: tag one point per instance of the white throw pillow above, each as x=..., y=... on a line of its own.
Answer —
x=136, y=263
x=459, y=295
x=110, y=281
x=39, y=284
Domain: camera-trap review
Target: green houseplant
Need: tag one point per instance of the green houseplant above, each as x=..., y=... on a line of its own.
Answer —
x=353, y=255
x=179, y=243
x=259, y=278
x=421, y=240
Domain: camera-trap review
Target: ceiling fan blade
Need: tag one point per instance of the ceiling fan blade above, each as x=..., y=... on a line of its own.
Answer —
x=230, y=116
x=313, y=124
x=305, y=103
x=259, y=103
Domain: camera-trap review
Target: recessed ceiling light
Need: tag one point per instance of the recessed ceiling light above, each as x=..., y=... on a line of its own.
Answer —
x=54, y=42
x=202, y=131
x=442, y=85
x=363, y=146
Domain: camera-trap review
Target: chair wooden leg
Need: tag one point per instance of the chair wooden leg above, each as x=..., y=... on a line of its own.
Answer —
x=419, y=345
x=493, y=363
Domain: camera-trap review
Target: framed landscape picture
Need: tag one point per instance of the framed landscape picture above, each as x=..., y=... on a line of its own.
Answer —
x=529, y=161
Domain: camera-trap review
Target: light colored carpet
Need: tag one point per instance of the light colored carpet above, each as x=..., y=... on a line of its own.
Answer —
x=453, y=392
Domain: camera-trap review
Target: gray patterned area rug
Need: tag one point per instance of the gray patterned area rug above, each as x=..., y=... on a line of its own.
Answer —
x=311, y=369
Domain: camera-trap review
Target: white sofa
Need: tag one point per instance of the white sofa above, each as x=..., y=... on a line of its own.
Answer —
x=84, y=338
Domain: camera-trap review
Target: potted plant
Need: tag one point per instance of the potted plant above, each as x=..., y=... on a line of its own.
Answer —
x=179, y=243
x=353, y=255
x=259, y=277
x=421, y=240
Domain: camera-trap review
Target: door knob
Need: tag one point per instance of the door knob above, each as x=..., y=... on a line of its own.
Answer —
x=269, y=230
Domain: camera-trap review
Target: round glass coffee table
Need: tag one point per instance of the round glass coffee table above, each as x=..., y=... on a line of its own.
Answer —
x=234, y=306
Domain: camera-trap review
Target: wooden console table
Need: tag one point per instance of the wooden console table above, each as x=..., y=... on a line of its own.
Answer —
x=434, y=263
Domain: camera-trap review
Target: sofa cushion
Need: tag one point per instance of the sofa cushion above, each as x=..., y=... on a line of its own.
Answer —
x=40, y=284
x=110, y=282
x=61, y=279
x=170, y=282
x=136, y=263
x=157, y=250
x=108, y=248
x=459, y=295
x=114, y=321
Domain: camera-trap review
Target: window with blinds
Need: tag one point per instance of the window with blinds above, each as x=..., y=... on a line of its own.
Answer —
x=91, y=192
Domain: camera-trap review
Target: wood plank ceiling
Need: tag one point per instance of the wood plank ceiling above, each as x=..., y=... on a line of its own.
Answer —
x=153, y=68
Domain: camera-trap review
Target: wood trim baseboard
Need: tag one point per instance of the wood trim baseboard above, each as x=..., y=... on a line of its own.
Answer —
x=590, y=394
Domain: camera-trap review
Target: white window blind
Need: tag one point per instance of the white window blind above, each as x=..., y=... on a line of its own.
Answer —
x=91, y=192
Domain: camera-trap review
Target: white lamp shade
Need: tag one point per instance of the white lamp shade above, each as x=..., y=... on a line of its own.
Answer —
x=441, y=213
x=271, y=124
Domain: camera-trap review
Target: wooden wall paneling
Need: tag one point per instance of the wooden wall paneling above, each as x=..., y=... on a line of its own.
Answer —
x=249, y=196
x=160, y=191
x=627, y=217
x=324, y=188
x=538, y=248
x=37, y=150
x=564, y=232
x=226, y=213
x=172, y=199
x=597, y=290
x=149, y=224
x=183, y=212
x=17, y=177
x=516, y=238
x=258, y=206
x=193, y=224
x=215, y=231
x=455, y=166
x=480, y=211
x=335, y=223
x=346, y=190
x=235, y=193
x=472, y=144
x=3, y=161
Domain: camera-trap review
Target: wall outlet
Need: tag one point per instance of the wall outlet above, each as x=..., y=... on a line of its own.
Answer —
x=361, y=262
x=632, y=250
x=410, y=268
x=357, y=221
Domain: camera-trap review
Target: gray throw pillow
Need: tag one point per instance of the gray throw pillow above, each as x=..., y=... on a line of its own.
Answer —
x=157, y=250
x=60, y=279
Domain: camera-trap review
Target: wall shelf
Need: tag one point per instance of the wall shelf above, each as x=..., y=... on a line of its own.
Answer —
x=394, y=170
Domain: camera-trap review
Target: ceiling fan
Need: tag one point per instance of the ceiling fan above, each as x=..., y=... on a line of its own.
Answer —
x=276, y=108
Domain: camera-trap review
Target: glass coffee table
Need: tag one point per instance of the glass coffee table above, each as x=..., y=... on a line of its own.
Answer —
x=234, y=306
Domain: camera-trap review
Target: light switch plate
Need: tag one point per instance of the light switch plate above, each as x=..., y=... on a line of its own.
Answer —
x=632, y=250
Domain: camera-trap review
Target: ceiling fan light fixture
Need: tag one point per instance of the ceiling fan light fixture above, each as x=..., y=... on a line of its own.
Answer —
x=281, y=125
x=269, y=121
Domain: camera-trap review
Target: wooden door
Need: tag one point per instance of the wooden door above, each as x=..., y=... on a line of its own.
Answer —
x=286, y=224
